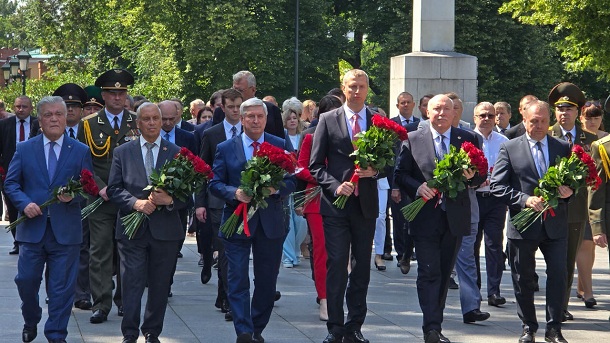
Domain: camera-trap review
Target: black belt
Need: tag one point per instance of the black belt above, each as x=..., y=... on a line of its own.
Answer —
x=484, y=194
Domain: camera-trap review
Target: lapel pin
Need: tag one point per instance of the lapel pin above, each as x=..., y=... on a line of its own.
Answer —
x=116, y=132
x=101, y=135
x=164, y=148
x=459, y=137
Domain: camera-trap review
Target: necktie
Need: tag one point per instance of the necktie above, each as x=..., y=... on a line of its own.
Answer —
x=255, y=146
x=22, y=130
x=503, y=131
x=569, y=138
x=148, y=161
x=355, y=125
x=116, y=123
x=442, y=147
x=72, y=133
x=234, y=132
x=540, y=158
x=166, y=136
x=52, y=163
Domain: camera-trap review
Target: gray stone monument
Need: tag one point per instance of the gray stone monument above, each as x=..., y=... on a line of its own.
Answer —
x=433, y=66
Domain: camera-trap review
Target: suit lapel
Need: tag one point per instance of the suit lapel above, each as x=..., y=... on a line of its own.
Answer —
x=528, y=152
x=136, y=155
x=12, y=134
x=64, y=155
x=40, y=158
x=340, y=117
x=553, y=151
x=238, y=147
x=163, y=155
x=456, y=139
x=429, y=141
x=556, y=131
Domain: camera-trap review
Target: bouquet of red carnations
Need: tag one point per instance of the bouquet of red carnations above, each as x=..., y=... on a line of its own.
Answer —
x=375, y=148
x=180, y=177
x=448, y=176
x=576, y=171
x=85, y=186
x=266, y=169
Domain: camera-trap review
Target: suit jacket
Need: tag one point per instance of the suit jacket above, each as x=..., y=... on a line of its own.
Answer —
x=186, y=126
x=185, y=139
x=599, y=199
x=229, y=162
x=514, y=179
x=8, y=138
x=126, y=185
x=275, y=125
x=198, y=133
x=211, y=138
x=101, y=129
x=331, y=165
x=28, y=181
x=578, y=211
x=398, y=119
x=415, y=165
x=515, y=131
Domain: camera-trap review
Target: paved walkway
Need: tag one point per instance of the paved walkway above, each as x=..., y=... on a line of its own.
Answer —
x=394, y=314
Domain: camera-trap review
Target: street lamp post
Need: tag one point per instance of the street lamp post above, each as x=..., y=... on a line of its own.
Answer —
x=16, y=67
x=24, y=58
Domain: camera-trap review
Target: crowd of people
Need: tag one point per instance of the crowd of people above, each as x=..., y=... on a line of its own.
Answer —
x=124, y=139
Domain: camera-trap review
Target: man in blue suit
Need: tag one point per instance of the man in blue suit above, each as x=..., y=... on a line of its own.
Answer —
x=51, y=235
x=267, y=227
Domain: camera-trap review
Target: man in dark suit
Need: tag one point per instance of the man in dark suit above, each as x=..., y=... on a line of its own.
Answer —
x=182, y=124
x=17, y=128
x=150, y=256
x=245, y=83
x=51, y=236
x=437, y=239
x=519, y=129
x=521, y=163
x=267, y=226
x=103, y=132
x=567, y=99
x=403, y=244
x=353, y=225
x=208, y=208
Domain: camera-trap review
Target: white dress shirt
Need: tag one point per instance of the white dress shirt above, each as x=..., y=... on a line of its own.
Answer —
x=491, y=148
x=348, y=119
x=155, y=149
x=26, y=128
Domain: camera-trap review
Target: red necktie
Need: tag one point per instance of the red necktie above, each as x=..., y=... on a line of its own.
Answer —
x=21, y=131
x=355, y=125
x=255, y=146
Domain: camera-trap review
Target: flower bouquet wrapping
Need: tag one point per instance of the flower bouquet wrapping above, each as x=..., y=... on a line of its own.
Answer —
x=85, y=186
x=448, y=176
x=375, y=148
x=576, y=171
x=265, y=169
x=179, y=177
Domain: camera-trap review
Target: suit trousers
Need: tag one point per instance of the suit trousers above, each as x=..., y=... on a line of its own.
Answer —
x=252, y=316
x=82, y=291
x=403, y=243
x=466, y=269
x=101, y=235
x=522, y=259
x=62, y=263
x=215, y=217
x=146, y=261
x=340, y=233
x=576, y=232
x=436, y=255
x=492, y=217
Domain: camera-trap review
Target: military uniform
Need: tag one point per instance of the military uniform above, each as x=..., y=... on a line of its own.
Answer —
x=599, y=199
x=102, y=137
x=569, y=95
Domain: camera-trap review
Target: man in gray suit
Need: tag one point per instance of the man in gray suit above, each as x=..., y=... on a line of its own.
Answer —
x=521, y=163
x=150, y=256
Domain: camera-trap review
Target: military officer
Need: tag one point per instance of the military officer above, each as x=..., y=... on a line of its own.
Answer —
x=111, y=127
x=567, y=98
x=94, y=102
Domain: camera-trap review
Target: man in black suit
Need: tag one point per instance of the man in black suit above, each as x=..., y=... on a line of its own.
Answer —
x=437, y=240
x=353, y=225
x=521, y=163
x=208, y=208
x=245, y=83
x=182, y=124
x=402, y=241
x=519, y=129
x=18, y=128
x=150, y=256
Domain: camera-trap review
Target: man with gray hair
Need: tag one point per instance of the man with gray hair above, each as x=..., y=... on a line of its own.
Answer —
x=267, y=226
x=52, y=235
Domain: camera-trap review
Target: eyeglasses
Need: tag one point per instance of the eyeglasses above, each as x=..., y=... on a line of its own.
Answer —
x=486, y=116
x=593, y=103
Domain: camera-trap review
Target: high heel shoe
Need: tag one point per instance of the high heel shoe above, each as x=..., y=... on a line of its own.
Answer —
x=589, y=303
x=323, y=310
x=379, y=263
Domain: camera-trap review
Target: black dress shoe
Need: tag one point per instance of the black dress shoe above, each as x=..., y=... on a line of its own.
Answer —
x=180, y=255
x=567, y=316
x=119, y=311
x=553, y=335
x=278, y=295
x=527, y=337
x=354, y=337
x=475, y=316
x=496, y=300
x=258, y=338
x=244, y=338
x=151, y=338
x=170, y=294
x=434, y=336
x=387, y=256
x=98, y=317
x=453, y=284
x=29, y=334
x=333, y=338
x=200, y=263
x=83, y=304
x=590, y=303
x=15, y=250
x=229, y=316
x=130, y=339
x=206, y=274
x=405, y=266
x=224, y=307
